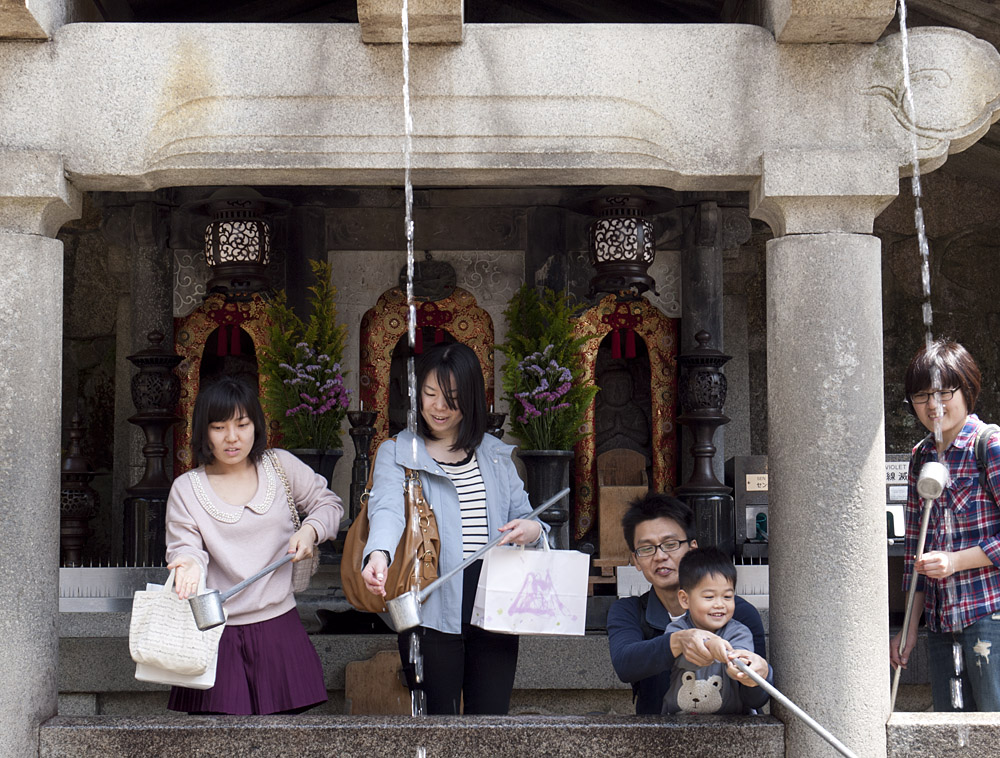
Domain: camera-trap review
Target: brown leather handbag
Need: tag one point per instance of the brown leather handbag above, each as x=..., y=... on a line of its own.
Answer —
x=416, y=554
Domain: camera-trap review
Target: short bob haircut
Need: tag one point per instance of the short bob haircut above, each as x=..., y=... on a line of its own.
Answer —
x=654, y=506
x=225, y=398
x=703, y=562
x=460, y=376
x=944, y=365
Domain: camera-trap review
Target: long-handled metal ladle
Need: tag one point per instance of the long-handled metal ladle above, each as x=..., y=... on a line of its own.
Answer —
x=775, y=693
x=404, y=611
x=207, y=607
x=930, y=484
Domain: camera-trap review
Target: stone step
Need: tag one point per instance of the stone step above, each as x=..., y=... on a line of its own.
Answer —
x=441, y=737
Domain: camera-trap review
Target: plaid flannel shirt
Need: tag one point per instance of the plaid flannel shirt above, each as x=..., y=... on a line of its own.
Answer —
x=976, y=522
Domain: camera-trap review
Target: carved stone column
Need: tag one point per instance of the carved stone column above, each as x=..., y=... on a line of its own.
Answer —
x=35, y=200
x=78, y=501
x=709, y=231
x=155, y=391
x=362, y=430
x=702, y=396
x=826, y=446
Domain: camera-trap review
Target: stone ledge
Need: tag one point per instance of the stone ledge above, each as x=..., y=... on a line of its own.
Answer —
x=363, y=737
x=971, y=735
x=544, y=663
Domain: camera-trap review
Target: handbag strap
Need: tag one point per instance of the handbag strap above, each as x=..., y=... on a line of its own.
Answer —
x=296, y=520
x=410, y=475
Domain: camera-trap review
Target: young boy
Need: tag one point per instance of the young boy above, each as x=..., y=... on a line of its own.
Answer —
x=707, y=590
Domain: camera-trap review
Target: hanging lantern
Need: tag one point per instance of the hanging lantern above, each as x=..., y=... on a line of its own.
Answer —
x=622, y=247
x=238, y=240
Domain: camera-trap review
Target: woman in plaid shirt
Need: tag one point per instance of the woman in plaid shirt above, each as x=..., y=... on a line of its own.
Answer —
x=959, y=580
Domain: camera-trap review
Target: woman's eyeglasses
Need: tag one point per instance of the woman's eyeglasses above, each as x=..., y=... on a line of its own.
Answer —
x=921, y=398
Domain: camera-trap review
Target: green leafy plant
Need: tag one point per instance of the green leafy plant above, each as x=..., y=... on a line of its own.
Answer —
x=305, y=388
x=542, y=376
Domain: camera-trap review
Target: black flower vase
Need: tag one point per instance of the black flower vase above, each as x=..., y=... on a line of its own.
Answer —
x=547, y=472
x=321, y=461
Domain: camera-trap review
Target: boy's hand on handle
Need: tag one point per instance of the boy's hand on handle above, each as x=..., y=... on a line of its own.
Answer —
x=719, y=649
x=520, y=532
x=899, y=657
x=302, y=543
x=693, y=644
x=375, y=572
x=751, y=659
x=186, y=575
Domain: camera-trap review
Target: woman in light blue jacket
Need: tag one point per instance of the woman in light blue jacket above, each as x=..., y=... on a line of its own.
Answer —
x=470, y=481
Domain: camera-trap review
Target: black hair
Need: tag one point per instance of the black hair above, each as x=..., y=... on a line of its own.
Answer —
x=460, y=377
x=703, y=562
x=942, y=365
x=655, y=505
x=221, y=400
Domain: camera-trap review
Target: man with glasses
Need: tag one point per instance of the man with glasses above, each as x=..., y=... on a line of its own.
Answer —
x=659, y=531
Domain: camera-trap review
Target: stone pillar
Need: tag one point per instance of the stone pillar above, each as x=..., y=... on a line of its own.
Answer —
x=826, y=447
x=35, y=200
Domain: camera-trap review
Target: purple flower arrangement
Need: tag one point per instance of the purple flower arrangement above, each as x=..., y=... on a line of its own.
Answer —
x=541, y=403
x=303, y=393
x=543, y=376
x=316, y=383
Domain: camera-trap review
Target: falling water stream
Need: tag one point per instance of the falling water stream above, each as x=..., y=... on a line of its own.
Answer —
x=957, y=700
x=418, y=699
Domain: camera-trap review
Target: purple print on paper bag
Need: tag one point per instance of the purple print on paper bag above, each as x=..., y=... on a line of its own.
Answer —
x=538, y=597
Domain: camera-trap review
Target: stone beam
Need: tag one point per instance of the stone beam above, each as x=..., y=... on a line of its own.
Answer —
x=39, y=19
x=432, y=22
x=828, y=20
x=190, y=104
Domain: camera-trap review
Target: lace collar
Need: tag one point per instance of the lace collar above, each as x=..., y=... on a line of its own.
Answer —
x=258, y=506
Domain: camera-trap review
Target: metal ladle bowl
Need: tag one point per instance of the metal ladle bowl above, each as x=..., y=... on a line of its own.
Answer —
x=207, y=607
x=404, y=611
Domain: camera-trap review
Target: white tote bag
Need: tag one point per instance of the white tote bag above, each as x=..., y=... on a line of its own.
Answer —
x=532, y=591
x=164, y=635
x=145, y=673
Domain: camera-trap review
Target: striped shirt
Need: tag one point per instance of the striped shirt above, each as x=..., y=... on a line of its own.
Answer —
x=472, y=499
x=974, y=520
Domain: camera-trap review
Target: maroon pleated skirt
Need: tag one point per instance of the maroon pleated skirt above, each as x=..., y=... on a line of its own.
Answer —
x=267, y=667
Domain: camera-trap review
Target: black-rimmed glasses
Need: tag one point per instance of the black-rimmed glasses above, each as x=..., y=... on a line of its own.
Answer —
x=920, y=398
x=668, y=546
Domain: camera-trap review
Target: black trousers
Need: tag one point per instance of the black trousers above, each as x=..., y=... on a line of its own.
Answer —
x=476, y=664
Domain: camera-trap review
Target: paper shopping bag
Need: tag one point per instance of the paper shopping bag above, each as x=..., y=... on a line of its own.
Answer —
x=532, y=591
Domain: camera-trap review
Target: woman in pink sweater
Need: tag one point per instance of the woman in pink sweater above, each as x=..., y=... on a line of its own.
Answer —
x=226, y=520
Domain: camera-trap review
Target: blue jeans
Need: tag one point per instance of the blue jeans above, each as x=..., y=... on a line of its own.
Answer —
x=981, y=665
